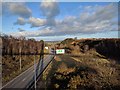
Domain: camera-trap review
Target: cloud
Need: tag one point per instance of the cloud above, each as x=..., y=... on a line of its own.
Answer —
x=20, y=21
x=32, y=33
x=50, y=10
x=101, y=19
x=36, y=22
x=106, y=12
x=17, y=8
x=21, y=30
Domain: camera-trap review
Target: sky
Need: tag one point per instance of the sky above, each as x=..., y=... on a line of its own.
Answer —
x=52, y=21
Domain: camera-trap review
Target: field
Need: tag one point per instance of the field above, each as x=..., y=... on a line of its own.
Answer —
x=86, y=71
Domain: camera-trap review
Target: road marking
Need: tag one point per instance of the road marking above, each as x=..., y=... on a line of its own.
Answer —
x=24, y=79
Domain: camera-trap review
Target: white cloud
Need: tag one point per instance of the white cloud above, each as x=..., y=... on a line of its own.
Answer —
x=36, y=22
x=50, y=10
x=46, y=31
x=101, y=19
x=21, y=30
x=20, y=21
x=17, y=8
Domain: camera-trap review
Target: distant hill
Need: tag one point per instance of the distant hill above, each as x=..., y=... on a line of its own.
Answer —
x=52, y=41
x=109, y=47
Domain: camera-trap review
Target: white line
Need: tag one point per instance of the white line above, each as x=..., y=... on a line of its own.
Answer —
x=24, y=79
x=46, y=58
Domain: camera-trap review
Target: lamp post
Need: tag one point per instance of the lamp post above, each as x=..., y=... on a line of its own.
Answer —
x=35, y=74
x=35, y=71
x=20, y=50
x=20, y=58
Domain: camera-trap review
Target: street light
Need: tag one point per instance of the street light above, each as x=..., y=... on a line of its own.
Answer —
x=35, y=71
x=20, y=50
x=20, y=58
x=34, y=67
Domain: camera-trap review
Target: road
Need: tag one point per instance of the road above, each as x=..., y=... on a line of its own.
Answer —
x=25, y=78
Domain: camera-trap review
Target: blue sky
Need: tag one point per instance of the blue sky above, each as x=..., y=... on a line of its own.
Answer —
x=60, y=20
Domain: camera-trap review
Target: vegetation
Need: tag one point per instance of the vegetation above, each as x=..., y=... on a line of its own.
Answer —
x=89, y=71
x=107, y=47
x=67, y=41
x=12, y=50
x=11, y=45
x=94, y=64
